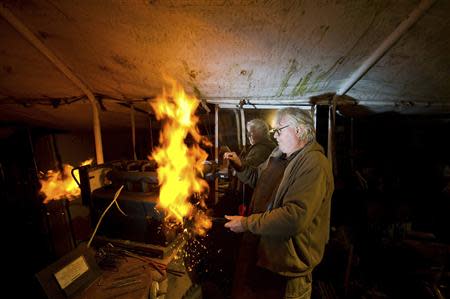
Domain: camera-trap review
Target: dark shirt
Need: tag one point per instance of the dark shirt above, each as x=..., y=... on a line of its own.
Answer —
x=267, y=185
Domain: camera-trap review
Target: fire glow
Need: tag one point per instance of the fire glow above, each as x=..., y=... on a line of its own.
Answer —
x=58, y=185
x=180, y=166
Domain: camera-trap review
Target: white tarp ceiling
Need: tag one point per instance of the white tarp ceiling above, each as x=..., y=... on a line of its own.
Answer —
x=223, y=51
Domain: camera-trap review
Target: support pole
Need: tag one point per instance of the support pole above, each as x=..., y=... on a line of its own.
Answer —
x=216, y=151
x=238, y=128
x=133, y=130
x=331, y=134
x=243, y=128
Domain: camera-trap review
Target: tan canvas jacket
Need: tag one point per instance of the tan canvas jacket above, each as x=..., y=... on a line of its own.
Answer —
x=295, y=230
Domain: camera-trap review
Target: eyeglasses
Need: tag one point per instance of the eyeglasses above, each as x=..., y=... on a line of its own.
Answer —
x=278, y=130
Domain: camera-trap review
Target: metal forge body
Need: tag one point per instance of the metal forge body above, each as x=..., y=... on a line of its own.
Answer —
x=143, y=229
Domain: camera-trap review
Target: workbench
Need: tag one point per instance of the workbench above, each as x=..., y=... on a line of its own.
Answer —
x=140, y=277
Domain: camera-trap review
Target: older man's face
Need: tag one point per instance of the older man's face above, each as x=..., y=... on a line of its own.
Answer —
x=286, y=137
x=253, y=136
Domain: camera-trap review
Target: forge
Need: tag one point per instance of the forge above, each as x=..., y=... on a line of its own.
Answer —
x=143, y=229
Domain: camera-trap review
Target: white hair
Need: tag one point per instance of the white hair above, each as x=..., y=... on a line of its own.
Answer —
x=259, y=126
x=301, y=119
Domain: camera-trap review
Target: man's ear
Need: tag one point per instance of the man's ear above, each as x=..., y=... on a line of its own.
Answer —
x=299, y=132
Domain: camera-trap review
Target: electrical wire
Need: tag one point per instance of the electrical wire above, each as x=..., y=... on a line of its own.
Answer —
x=104, y=213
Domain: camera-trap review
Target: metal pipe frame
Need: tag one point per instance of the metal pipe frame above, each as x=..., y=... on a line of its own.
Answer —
x=37, y=43
x=379, y=52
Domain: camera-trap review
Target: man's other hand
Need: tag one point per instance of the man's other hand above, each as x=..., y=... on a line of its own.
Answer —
x=235, y=224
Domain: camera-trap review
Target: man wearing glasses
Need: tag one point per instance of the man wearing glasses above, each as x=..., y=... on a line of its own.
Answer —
x=288, y=223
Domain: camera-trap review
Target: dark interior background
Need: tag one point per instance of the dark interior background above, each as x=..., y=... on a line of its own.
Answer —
x=389, y=219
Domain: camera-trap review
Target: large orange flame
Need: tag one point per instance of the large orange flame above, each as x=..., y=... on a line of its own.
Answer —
x=180, y=166
x=57, y=185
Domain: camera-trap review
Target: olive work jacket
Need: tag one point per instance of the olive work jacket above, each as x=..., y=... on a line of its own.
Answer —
x=258, y=152
x=295, y=228
x=252, y=157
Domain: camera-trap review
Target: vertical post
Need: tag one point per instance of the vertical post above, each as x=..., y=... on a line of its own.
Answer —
x=133, y=130
x=216, y=151
x=243, y=129
x=331, y=133
x=151, y=132
x=352, y=144
x=238, y=128
x=97, y=132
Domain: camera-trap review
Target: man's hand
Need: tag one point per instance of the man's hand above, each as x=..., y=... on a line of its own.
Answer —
x=234, y=159
x=234, y=224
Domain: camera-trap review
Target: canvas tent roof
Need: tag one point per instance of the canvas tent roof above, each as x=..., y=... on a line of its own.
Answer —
x=264, y=52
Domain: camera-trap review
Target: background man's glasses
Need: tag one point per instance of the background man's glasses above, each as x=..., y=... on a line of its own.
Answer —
x=277, y=130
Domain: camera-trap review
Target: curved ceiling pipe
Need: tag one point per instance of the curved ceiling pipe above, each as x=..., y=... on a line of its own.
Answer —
x=31, y=37
x=413, y=17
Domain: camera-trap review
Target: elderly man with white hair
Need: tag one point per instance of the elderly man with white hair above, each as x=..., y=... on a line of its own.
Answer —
x=288, y=226
x=261, y=145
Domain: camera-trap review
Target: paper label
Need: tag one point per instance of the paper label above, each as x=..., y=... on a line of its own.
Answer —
x=71, y=272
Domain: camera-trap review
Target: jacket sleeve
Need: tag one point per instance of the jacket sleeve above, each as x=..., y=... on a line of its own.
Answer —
x=249, y=175
x=301, y=203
